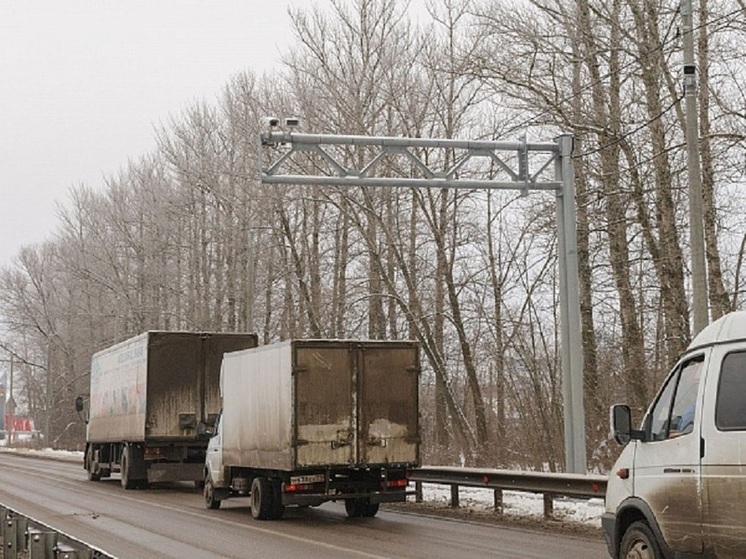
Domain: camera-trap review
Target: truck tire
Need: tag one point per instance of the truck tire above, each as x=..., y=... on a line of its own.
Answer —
x=370, y=509
x=262, y=499
x=278, y=509
x=639, y=542
x=356, y=508
x=126, y=469
x=210, y=501
x=94, y=474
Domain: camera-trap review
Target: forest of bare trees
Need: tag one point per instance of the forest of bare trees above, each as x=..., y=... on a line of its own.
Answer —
x=187, y=238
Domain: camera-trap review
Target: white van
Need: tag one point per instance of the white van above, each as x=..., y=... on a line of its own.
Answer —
x=678, y=489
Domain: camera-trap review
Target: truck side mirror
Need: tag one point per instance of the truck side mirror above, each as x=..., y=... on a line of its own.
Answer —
x=621, y=423
x=79, y=404
x=205, y=430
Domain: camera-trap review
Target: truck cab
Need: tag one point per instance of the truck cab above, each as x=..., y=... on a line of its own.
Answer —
x=678, y=488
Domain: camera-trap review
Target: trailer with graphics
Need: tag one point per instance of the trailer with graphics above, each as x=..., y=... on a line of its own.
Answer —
x=305, y=422
x=152, y=400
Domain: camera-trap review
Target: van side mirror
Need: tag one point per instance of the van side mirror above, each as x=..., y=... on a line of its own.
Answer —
x=79, y=404
x=621, y=425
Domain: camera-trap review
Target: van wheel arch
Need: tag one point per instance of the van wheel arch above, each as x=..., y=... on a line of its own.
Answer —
x=636, y=510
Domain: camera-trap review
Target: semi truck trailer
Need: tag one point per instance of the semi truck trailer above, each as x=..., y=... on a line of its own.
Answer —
x=152, y=400
x=305, y=422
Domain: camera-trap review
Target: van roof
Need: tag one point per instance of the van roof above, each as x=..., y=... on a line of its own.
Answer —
x=730, y=327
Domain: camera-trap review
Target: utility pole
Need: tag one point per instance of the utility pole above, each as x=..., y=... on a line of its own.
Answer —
x=696, y=221
x=250, y=278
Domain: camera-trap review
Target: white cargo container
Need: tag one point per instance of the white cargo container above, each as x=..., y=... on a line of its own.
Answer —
x=310, y=421
x=151, y=399
x=678, y=489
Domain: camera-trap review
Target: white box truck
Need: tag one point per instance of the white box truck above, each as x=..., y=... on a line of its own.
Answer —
x=151, y=399
x=678, y=489
x=305, y=422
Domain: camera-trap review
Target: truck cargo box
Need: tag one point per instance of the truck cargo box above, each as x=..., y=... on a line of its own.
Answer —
x=158, y=385
x=305, y=404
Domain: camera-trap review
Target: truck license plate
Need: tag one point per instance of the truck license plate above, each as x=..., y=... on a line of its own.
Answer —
x=300, y=480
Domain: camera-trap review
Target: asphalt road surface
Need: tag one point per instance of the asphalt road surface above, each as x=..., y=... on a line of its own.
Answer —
x=171, y=521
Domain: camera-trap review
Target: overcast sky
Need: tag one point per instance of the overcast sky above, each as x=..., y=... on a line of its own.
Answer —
x=82, y=83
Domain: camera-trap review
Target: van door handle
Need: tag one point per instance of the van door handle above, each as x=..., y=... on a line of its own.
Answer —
x=701, y=447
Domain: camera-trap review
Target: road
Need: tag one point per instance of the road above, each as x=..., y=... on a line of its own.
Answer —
x=171, y=522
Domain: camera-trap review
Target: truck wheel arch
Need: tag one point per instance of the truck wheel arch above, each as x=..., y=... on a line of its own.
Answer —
x=634, y=510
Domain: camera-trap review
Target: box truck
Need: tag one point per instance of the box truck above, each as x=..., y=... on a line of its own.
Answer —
x=678, y=489
x=305, y=422
x=152, y=399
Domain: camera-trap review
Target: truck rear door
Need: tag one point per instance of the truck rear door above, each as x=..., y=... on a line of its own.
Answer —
x=356, y=403
x=724, y=453
x=325, y=398
x=388, y=398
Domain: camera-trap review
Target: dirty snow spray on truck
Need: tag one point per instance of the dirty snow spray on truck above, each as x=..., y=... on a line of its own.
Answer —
x=152, y=399
x=310, y=421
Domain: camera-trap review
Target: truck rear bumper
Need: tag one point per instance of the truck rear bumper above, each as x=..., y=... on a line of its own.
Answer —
x=315, y=499
x=166, y=471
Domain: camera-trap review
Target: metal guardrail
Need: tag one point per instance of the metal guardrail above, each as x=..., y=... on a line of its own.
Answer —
x=550, y=485
x=23, y=536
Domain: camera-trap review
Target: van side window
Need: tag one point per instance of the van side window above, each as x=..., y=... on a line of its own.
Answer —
x=730, y=410
x=673, y=414
x=685, y=402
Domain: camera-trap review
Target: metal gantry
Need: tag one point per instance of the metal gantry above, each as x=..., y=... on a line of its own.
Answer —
x=353, y=161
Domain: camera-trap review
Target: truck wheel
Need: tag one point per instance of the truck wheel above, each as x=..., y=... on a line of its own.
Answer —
x=639, y=543
x=127, y=483
x=93, y=473
x=370, y=509
x=261, y=498
x=210, y=501
x=354, y=507
x=278, y=509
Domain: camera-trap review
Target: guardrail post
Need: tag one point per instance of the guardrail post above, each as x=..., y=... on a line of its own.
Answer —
x=417, y=491
x=454, y=496
x=548, y=505
x=21, y=529
x=42, y=545
x=499, y=501
x=10, y=538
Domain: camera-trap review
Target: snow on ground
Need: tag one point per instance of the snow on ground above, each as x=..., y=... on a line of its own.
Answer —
x=519, y=504
x=515, y=503
x=61, y=455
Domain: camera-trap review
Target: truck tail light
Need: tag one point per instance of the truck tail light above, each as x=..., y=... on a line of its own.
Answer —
x=395, y=483
x=155, y=451
x=295, y=487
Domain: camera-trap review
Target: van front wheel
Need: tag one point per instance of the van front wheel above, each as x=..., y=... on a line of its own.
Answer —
x=639, y=543
x=209, y=491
